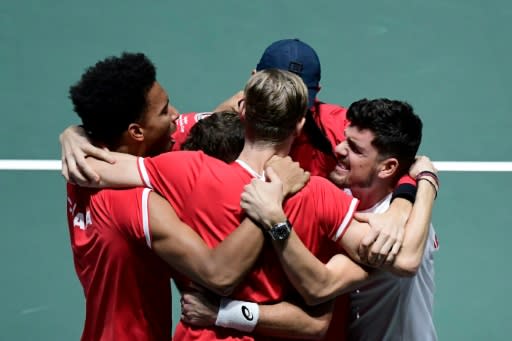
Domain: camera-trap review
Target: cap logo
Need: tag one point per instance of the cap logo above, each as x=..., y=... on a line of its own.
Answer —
x=295, y=67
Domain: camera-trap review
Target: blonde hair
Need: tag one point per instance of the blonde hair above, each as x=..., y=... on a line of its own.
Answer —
x=275, y=101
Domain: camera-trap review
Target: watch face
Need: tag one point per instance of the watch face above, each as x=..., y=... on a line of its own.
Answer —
x=280, y=231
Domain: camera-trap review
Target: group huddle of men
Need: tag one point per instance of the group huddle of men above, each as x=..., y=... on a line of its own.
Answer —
x=277, y=215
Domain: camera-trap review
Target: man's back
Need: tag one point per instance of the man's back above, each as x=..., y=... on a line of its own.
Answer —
x=125, y=284
x=205, y=193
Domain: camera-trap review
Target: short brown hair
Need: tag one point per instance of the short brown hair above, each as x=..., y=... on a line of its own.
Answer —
x=275, y=101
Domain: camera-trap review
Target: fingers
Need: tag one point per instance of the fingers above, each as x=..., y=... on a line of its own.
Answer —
x=396, y=248
x=271, y=175
x=383, y=253
x=64, y=169
x=367, y=240
x=99, y=153
x=362, y=217
x=422, y=163
x=384, y=250
x=375, y=249
x=74, y=173
x=390, y=259
x=85, y=171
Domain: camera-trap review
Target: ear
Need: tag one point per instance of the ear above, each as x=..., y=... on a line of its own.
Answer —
x=241, y=109
x=253, y=72
x=299, y=126
x=136, y=132
x=319, y=88
x=388, y=168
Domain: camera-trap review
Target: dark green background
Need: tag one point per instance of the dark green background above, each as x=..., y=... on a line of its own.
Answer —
x=450, y=59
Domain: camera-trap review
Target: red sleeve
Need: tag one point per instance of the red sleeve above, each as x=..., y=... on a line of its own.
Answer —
x=173, y=175
x=337, y=207
x=406, y=179
x=184, y=123
x=129, y=210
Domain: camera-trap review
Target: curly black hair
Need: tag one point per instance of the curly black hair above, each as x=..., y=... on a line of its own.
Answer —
x=396, y=127
x=112, y=94
x=220, y=135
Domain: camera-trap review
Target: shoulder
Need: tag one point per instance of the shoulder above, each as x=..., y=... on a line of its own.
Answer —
x=330, y=109
x=175, y=158
x=333, y=118
x=122, y=197
x=320, y=187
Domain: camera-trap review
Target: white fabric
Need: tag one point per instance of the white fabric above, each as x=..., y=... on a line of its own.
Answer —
x=251, y=171
x=145, y=216
x=395, y=308
x=239, y=315
x=144, y=172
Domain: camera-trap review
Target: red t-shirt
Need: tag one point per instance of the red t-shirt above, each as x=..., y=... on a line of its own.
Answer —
x=184, y=123
x=126, y=285
x=205, y=192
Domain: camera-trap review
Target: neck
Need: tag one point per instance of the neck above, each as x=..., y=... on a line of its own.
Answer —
x=369, y=196
x=133, y=149
x=256, y=153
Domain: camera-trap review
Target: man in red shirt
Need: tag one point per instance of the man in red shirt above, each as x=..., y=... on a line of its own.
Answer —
x=117, y=236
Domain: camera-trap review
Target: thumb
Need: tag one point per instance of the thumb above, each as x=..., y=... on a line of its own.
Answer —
x=362, y=217
x=271, y=175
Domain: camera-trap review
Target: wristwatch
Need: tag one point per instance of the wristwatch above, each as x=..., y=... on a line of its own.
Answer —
x=280, y=231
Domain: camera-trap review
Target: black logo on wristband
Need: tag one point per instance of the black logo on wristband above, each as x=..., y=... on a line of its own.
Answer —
x=247, y=313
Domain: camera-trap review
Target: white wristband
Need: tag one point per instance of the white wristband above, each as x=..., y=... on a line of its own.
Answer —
x=239, y=315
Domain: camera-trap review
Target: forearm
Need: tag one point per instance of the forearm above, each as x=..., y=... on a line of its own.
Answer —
x=416, y=232
x=235, y=255
x=291, y=321
x=121, y=174
x=315, y=281
x=401, y=209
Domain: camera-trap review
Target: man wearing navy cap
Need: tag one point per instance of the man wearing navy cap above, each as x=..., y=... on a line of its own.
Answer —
x=325, y=123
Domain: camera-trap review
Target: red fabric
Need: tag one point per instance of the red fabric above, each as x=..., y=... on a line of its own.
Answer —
x=205, y=193
x=184, y=123
x=126, y=285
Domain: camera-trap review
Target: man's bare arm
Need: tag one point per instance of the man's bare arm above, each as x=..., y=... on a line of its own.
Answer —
x=382, y=243
x=219, y=269
x=123, y=173
x=75, y=147
x=318, y=282
x=284, y=319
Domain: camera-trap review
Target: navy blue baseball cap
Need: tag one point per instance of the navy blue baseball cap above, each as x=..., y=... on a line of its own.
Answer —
x=295, y=56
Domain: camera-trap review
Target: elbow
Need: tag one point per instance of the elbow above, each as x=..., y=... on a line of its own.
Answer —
x=312, y=300
x=319, y=331
x=221, y=285
x=327, y=292
x=315, y=297
x=225, y=290
x=316, y=333
x=407, y=267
